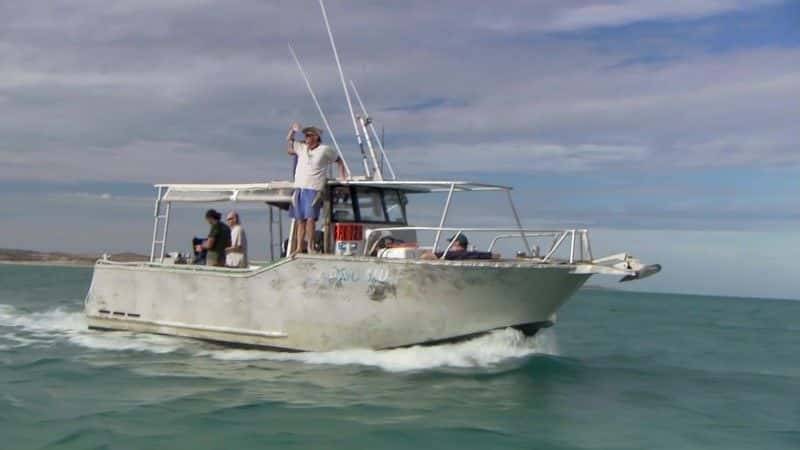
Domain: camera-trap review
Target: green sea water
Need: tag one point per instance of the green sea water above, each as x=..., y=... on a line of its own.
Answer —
x=619, y=371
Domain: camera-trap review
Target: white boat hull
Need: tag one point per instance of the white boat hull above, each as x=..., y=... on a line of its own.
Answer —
x=318, y=303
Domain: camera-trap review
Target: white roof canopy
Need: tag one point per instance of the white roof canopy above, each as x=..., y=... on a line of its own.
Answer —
x=426, y=186
x=275, y=192
x=281, y=191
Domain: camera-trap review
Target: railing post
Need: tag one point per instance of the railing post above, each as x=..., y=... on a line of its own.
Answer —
x=589, y=246
x=444, y=216
x=572, y=248
x=556, y=244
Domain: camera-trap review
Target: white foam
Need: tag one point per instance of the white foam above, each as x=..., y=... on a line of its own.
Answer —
x=59, y=324
x=18, y=341
x=122, y=341
x=43, y=323
x=487, y=351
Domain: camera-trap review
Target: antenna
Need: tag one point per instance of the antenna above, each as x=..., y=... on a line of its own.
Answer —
x=344, y=86
x=378, y=139
x=319, y=108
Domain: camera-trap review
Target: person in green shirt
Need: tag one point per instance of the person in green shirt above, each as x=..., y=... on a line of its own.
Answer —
x=219, y=238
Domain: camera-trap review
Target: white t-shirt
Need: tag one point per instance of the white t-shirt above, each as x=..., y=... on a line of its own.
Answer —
x=312, y=165
x=238, y=239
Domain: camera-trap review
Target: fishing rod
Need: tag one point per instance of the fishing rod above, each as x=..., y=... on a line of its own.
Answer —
x=346, y=91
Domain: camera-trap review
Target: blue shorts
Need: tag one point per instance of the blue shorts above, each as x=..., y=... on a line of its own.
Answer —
x=304, y=206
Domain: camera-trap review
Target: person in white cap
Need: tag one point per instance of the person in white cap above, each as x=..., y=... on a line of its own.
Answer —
x=236, y=254
x=310, y=179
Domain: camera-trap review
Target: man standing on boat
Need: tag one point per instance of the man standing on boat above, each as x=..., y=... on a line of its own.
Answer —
x=236, y=254
x=310, y=179
x=219, y=238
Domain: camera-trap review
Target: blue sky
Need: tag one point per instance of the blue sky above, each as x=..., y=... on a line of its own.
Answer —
x=670, y=122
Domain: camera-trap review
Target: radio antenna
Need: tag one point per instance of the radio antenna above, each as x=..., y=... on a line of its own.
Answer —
x=319, y=108
x=346, y=92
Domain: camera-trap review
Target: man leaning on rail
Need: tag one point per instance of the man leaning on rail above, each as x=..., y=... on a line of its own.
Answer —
x=310, y=178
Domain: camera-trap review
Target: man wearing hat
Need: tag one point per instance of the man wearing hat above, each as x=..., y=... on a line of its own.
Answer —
x=310, y=179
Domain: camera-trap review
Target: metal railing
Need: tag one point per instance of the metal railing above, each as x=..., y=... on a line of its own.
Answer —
x=579, y=246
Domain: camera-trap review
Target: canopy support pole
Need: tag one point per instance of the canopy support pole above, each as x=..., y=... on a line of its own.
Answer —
x=444, y=216
x=155, y=224
x=271, y=235
x=164, y=234
x=280, y=230
x=519, y=224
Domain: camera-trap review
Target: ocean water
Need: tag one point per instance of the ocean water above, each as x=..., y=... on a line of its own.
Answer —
x=619, y=371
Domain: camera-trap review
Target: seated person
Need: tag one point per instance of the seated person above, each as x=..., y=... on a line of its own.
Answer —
x=199, y=256
x=219, y=238
x=458, y=250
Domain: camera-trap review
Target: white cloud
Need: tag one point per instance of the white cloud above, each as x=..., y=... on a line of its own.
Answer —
x=587, y=14
x=511, y=156
x=616, y=12
x=176, y=93
x=139, y=161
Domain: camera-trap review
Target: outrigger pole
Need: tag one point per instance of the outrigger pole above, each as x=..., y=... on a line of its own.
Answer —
x=347, y=95
x=368, y=122
x=321, y=113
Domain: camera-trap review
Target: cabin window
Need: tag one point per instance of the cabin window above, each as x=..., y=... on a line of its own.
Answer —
x=394, y=207
x=342, y=205
x=370, y=206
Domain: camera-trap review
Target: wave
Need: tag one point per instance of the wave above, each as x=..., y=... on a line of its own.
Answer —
x=57, y=325
x=488, y=351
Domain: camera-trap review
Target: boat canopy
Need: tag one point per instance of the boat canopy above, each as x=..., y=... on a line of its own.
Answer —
x=424, y=186
x=281, y=191
x=273, y=192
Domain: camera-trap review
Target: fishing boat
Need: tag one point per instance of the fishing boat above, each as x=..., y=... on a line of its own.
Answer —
x=377, y=281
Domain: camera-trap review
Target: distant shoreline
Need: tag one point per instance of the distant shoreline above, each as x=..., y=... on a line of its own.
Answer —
x=47, y=263
x=60, y=259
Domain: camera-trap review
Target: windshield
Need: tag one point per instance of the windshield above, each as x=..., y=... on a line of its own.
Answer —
x=370, y=207
x=395, y=211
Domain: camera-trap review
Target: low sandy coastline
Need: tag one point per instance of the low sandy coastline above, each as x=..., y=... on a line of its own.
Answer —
x=59, y=259
x=47, y=263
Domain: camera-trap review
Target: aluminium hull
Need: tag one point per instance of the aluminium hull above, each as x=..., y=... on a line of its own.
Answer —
x=326, y=302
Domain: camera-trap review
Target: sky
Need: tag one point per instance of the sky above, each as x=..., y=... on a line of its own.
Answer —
x=667, y=128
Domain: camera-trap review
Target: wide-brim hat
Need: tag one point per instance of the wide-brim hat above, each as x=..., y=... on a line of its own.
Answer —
x=312, y=130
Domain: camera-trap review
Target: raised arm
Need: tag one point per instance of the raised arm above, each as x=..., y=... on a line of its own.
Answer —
x=294, y=128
